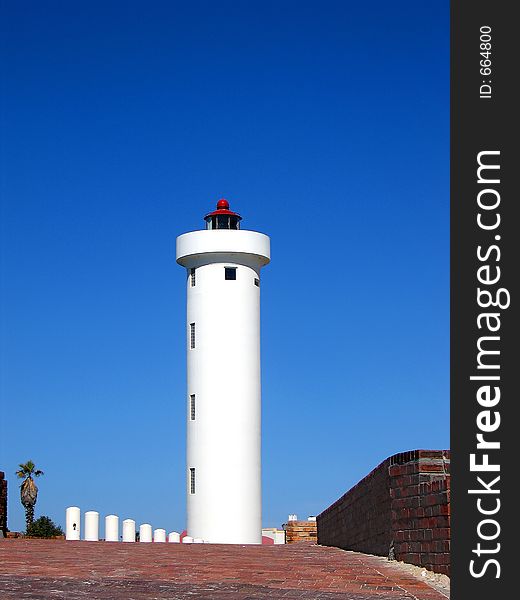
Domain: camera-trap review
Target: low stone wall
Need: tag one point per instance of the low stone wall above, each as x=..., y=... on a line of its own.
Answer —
x=300, y=531
x=401, y=509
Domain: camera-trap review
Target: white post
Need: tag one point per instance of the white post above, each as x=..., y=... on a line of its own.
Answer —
x=91, y=526
x=159, y=535
x=145, y=533
x=187, y=539
x=111, y=528
x=72, y=523
x=128, y=530
x=174, y=537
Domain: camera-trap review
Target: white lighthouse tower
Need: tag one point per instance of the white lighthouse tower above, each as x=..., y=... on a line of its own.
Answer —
x=223, y=474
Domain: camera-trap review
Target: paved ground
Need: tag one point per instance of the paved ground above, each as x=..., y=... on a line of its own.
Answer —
x=55, y=569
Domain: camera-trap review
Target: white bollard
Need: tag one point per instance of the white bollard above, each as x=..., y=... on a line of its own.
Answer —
x=111, y=528
x=72, y=523
x=159, y=535
x=91, y=526
x=198, y=541
x=174, y=537
x=128, y=530
x=187, y=539
x=145, y=533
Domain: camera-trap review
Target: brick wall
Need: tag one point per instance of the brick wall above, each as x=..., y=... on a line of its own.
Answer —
x=360, y=518
x=3, y=503
x=401, y=508
x=300, y=531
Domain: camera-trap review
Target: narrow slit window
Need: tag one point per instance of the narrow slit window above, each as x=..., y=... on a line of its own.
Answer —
x=192, y=335
x=257, y=282
x=192, y=277
x=192, y=480
x=230, y=273
x=192, y=407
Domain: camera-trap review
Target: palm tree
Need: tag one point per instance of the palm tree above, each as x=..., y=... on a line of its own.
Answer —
x=28, y=489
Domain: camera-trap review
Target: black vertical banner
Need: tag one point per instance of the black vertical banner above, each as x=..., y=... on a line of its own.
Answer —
x=485, y=269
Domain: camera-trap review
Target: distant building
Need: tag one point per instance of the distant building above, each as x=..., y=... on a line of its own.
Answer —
x=272, y=535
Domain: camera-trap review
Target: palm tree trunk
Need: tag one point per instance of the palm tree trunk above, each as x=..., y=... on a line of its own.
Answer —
x=29, y=515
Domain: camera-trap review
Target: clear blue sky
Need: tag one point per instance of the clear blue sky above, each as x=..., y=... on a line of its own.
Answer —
x=325, y=124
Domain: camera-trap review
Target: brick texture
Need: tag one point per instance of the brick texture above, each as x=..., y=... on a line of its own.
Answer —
x=401, y=509
x=3, y=503
x=59, y=570
x=300, y=531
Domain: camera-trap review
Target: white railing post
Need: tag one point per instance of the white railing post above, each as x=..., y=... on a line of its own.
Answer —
x=145, y=533
x=174, y=537
x=91, y=526
x=159, y=535
x=72, y=523
x=128, y=530
x=111, y=528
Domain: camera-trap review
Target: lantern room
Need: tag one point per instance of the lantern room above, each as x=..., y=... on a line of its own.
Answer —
x=223, y=218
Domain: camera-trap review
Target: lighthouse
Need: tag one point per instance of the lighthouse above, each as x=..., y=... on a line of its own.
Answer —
x=223, y=399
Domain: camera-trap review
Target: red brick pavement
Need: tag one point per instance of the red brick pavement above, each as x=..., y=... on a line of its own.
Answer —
x=55, y=569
